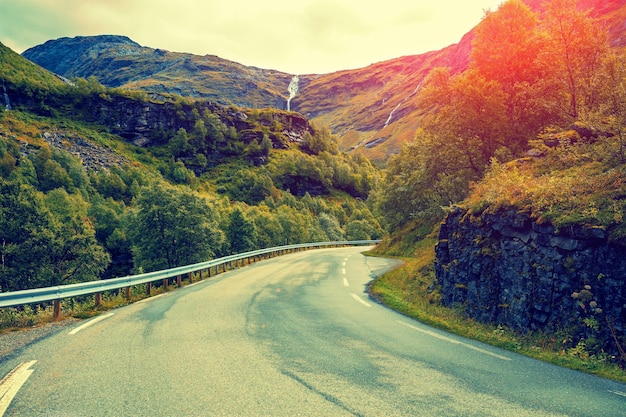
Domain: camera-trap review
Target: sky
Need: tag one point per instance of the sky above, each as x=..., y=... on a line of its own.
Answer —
x=293, y=36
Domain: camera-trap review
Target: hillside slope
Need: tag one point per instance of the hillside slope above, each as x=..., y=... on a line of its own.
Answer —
x=372, y=109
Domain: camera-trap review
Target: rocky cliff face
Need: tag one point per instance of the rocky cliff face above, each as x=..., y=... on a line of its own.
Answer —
x=140, y=120
x=507, y=268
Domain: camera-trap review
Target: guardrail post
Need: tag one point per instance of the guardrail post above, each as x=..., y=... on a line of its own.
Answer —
x=56, y=314
x=165, y=283
x=98, y=298
x=179, y=280
x=149, y=289
x=128, y=293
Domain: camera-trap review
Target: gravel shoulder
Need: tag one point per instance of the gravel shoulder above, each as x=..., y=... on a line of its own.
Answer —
x=13, y=341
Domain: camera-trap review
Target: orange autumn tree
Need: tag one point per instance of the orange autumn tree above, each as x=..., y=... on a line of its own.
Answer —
x=506, y=49
x=527, y=72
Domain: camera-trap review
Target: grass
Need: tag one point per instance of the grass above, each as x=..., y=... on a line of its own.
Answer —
x=579, y=184
x=411, y=290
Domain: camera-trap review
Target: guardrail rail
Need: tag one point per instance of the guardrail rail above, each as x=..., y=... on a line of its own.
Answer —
x=57, y=293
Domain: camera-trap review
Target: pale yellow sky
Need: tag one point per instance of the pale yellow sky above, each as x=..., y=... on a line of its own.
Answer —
x=294, y=36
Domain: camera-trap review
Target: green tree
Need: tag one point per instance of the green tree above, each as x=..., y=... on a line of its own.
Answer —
x=427, y=175
x=75, y=255
x=241, y=233
x=171, y=226
x=179, y=144
x=269, y=230
x=45, y=240
x=331, y=227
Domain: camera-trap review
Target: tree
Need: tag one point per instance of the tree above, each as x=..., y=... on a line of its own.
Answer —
x=573, y=55
x=611, y=112
x=171, y=226
x=179, y=143
x=427, y=174
x=331, y=227
x=241, y=233
x=45, y=240
x=75, y=254
x=269, y=229
x=505, y=50
x=470, y=111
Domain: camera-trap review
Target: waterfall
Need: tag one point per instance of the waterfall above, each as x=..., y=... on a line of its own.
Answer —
x=401, y=103
x=7, y=102
x=293, y=90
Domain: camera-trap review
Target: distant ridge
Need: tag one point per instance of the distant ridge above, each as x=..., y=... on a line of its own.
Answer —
x=372, y=109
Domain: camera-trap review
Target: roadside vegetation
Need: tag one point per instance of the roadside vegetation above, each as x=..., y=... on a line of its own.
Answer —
x=412, y=290
x=536, y=123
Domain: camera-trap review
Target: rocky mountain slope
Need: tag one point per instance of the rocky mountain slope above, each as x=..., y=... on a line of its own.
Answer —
x=372, y=109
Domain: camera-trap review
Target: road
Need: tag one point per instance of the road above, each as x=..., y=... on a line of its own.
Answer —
x=290, y=336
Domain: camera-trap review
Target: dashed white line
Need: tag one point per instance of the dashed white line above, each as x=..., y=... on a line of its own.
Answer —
x=91, y=322
x=345, y=282
x=620, y=393
x=360, y=300
x=343, y=271
x=11, y=384
x=453, y=341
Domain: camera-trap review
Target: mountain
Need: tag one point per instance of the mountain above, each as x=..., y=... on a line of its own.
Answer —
x=118, y=61
x=372, y=109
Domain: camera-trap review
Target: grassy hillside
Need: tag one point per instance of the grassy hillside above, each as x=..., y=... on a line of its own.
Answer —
x=373, y=110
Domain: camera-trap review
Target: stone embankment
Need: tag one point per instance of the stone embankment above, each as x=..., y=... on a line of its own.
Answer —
x=507, y=268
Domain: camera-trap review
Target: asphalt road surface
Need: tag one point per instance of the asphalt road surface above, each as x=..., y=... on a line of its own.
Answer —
x=291, y=336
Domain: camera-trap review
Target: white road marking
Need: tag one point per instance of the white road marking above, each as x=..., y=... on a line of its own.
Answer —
x=91, y=322
x=195, y=283
x=343, y=271
x=453, y=341
x=623, y=394
x=344, y=264
x=345, y=282
x=360, y=300
x=145, y=300
x=11, y=384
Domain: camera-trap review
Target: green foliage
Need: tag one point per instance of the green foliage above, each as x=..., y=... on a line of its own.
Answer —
x=45, y=239
x=240, y=232
x=171, y=226
x=61, y=224
x=426, y=176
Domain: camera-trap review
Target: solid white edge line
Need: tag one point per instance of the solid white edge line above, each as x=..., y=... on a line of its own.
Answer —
x=91, y=322
x=453, y=341
x=620, y=393
x=148, y=299
x=360, y=300
x=345, y=282
x=12, y=382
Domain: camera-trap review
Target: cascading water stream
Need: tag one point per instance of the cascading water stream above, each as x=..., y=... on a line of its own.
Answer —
x=7, y=102
x=293, y=90
x=401, y=103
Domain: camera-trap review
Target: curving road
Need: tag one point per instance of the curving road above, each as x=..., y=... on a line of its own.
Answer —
x=290, y=336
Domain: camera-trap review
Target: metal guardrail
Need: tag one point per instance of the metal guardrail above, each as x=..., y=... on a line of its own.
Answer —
x=57, y=293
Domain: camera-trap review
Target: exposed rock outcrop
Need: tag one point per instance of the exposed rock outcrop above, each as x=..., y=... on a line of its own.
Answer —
x=507, y=268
